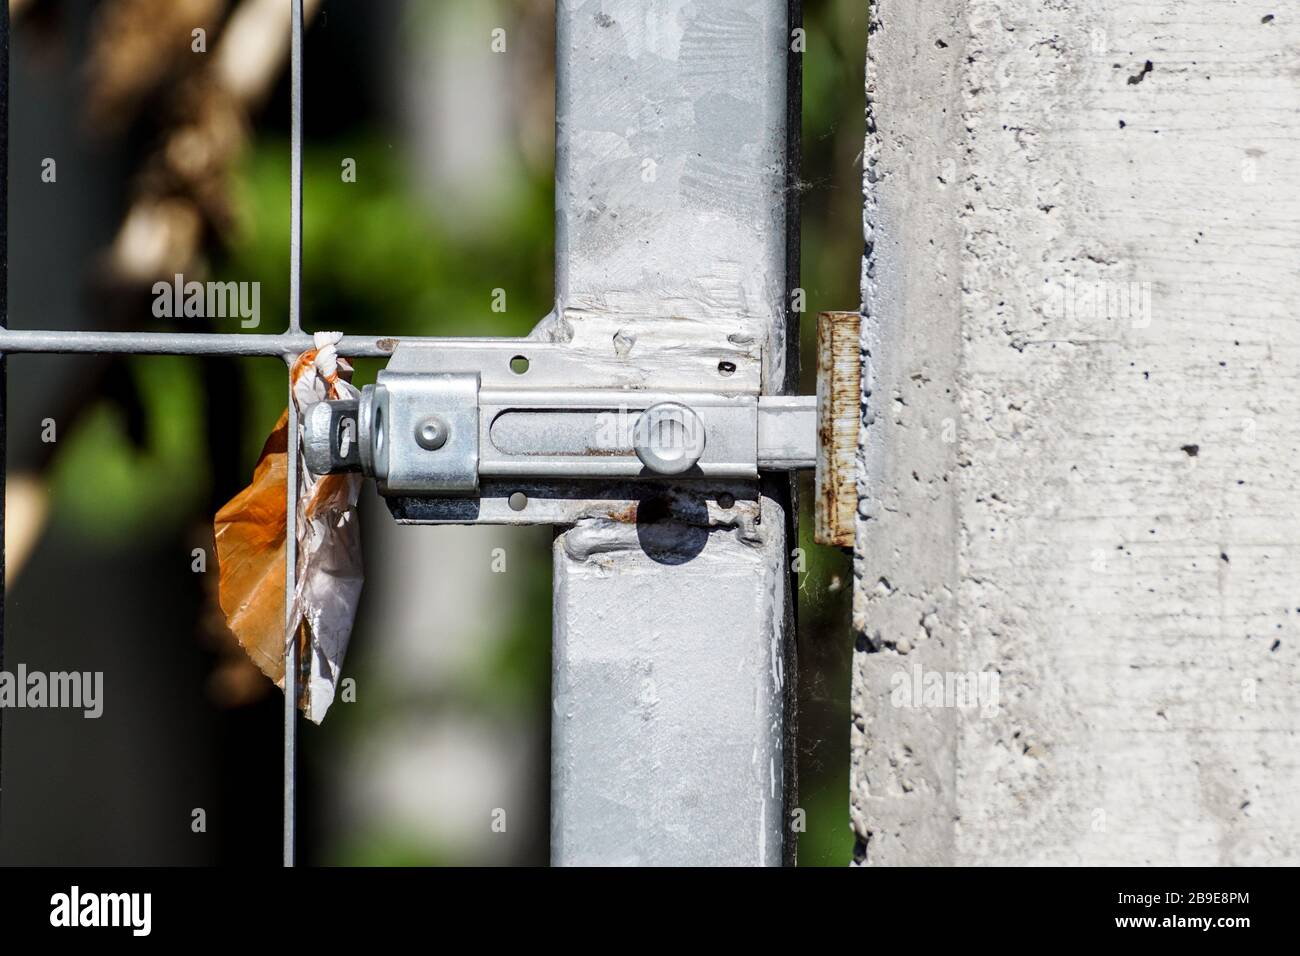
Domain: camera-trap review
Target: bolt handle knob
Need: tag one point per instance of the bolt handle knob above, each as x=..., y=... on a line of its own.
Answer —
x=669, y=438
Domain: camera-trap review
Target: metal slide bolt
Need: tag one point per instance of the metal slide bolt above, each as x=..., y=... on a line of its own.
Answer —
x=431, y=433
x=669, y=438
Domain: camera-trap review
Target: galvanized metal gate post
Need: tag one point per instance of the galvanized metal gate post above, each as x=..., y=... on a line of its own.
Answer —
x=676, y=225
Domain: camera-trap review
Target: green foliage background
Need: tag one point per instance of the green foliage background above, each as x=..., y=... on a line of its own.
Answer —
x=375, y=260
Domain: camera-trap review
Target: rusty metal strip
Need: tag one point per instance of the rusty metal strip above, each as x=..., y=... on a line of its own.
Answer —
x=839, y=393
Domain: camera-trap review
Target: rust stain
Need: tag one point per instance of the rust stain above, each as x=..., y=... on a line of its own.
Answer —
x=839, y=395
x=624, y=515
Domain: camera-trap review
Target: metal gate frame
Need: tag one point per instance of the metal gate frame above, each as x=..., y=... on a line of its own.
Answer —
x=673, y=683
x=677, y=215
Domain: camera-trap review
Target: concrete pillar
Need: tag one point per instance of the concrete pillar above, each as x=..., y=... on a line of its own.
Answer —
x=1078, y=545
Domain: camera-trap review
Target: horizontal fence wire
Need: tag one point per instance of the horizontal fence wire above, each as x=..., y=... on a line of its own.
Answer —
x=285, y=344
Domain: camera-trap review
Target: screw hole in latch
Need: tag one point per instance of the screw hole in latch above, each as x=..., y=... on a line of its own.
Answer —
x=518, y=501
x=726, y=368
x=726, y=501
x=519, y=364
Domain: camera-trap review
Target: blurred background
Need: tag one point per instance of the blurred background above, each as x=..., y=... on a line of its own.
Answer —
x=169, y=159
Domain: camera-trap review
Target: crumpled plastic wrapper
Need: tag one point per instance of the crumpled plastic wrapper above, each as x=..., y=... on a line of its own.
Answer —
x=250, y=536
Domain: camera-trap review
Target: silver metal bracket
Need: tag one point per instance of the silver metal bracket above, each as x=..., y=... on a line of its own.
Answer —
x=465, y=430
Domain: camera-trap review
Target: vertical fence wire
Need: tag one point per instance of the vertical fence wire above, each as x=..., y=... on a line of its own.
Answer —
x=182, y=344
x=291, y=638
x=291, y=663
x=295, y=170
x=4, y=321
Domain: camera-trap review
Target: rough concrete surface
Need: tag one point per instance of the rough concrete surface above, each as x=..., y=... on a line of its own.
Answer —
x=1078, y=546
